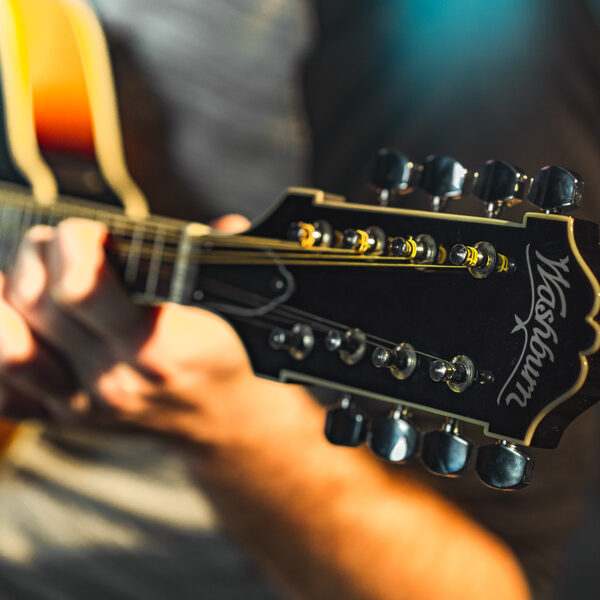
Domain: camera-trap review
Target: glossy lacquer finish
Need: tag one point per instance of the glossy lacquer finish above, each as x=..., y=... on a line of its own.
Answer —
x=527, y=332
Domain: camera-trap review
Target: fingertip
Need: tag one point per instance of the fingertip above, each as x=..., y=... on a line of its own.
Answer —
x=76, y=229
x=77, y=260
x=233, y=223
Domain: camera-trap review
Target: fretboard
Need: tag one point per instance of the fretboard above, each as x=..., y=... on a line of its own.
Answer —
x=150, y=254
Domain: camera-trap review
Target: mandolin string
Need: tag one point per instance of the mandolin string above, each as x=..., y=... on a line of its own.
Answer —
x=171, y=230
x=285, y=313
x=291, y=314
x=61, y=210
x=173, y=233
x=260, y=258
x=174, y=228
x=222, y=257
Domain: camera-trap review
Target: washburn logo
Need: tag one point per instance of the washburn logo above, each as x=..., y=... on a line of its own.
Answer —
x=547, y=303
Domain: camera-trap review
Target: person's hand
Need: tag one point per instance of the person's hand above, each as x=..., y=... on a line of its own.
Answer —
x=73, y=345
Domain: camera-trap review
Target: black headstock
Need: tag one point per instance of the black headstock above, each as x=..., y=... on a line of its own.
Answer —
x=471, y=318
x=520, y=337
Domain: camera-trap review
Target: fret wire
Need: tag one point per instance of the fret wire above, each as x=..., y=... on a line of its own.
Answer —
x=25, y=223
x=134, y=254
x=5, y=241
x=155, y=263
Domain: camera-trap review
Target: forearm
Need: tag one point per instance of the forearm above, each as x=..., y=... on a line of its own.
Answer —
x=328, y=522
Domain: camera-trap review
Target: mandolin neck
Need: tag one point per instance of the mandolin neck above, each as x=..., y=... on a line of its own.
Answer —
x=150, y=254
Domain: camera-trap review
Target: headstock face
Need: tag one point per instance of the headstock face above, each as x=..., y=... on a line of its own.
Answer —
x=527, y=332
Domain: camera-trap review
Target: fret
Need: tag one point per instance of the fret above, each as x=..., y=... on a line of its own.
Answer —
x=117, y=230
x=180, y=279
x=12, y=219
x=155, y=263
x=134, y=254
x=25, y=223
x=5, y=240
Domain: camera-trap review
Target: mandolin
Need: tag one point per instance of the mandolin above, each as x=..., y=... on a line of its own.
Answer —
x=473, y=318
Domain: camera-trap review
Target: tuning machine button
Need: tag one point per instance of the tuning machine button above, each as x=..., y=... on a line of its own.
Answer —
x=351, y=344
x=394, y=438
x=345, y=425
x=504, y=466
x=299, y=341
x=481, y=259
x=392, y=173
x=445, y=452
x=442, y=177
x=401, y=360
x=319, y=233
x=364, y=241
x=499, y=184
x=556, y=190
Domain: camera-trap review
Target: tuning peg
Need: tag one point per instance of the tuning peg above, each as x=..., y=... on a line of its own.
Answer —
x=392, y=173
x=499, y=184
x=556, y=190
x=442, y=177
x=319, y=233
x=401, y=360
x=371, y=239
x=344, y=424
x=351, y=344
x=445, y=452
x=299, y=341
x=503, y=466
x=393, y=438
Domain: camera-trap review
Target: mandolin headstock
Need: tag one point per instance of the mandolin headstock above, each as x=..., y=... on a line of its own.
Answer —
x=472, y=318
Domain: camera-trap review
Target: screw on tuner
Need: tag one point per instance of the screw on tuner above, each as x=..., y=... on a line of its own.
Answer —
x=420, y=249
x=309, y=234
x=401, y=360
x=299, y=341
x=350, y=344
x=363, y=241
x=459, y=373
x=481, y=259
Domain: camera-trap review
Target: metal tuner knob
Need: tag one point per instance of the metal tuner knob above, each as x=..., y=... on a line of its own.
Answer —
x=445, y=452
x=442, y=177
x=345, y=425
x=392, y=173
x=498, y=184
x=393, y=438
x=503, y=466
x=556, y=190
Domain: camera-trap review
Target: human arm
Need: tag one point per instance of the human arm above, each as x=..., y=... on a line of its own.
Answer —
x=324, y=521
